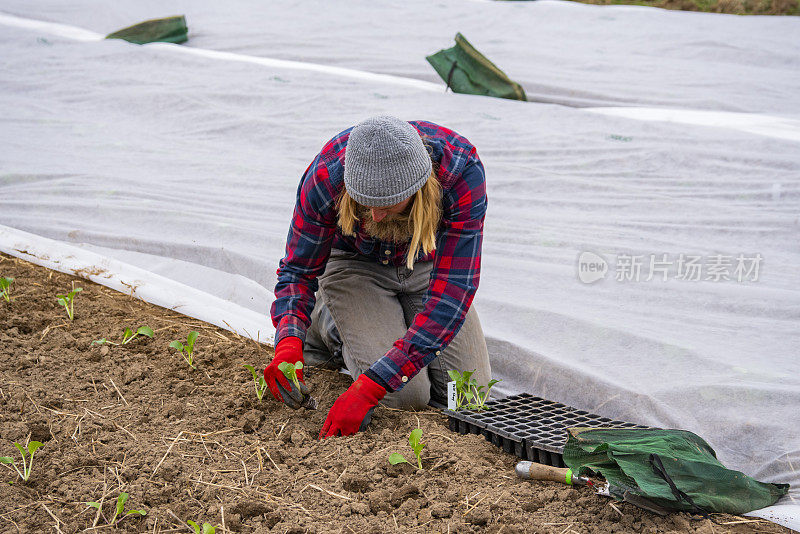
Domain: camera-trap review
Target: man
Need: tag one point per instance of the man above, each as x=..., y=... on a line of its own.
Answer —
x=392, y=213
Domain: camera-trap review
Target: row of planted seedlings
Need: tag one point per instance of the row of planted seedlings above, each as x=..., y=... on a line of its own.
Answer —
x=185, y=349
x=24, y=466
x=469, y=395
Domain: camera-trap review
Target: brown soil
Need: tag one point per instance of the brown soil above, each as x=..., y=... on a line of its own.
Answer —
x=197, y=444
x=731, y=7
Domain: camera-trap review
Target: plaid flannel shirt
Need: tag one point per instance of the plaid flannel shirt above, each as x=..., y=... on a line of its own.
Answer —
x=457, y=258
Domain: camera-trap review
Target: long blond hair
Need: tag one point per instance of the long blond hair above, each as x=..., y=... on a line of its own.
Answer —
x=423, y=221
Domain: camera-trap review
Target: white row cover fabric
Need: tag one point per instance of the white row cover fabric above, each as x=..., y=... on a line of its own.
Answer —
x=772, y=126
x=139, y=283
x=187, y=166
x=560, y=52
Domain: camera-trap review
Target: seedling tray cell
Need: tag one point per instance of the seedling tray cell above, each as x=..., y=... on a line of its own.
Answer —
x=532, y=428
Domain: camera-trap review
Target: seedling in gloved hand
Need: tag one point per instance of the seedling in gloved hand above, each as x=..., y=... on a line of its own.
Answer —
x=5, y=285
x=258, y=379
x=289, y=370
x=187, y=350
x=68, y=301
x=414, y=439
x=119, y=511
x=207, y=528
x=27, y=464
x=127, y=336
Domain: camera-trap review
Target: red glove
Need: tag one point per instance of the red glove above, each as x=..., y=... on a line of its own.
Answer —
x=289, y=349
x=352, y=411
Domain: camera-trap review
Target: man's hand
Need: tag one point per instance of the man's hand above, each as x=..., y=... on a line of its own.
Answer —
x=352, y=411
x=289, y=349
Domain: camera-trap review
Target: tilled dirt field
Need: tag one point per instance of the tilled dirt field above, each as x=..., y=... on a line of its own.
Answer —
x=732, y=7
x=198, y=445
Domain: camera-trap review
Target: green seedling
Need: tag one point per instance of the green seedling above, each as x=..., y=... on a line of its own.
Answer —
x=68, y=301
x=415, y=440
x=289, y=370
x=5, y=285
x=207, y=528
x=187, y=350
x=27, y=463
x=119, y=511
x=463, y=392
x=481, y=395
x=468, y=393
x=127, y=336
x=258, y=379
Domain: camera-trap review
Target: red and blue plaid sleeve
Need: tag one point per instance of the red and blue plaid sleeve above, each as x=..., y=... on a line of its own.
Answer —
x=308, y=247
x=454, y=280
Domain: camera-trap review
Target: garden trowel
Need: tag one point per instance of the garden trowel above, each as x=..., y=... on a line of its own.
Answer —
x=536, y=471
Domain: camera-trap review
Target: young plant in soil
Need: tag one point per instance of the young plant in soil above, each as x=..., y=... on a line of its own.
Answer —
x=469, y=394
x=187, y=349
x=415, y=440
x=127, y=336
x=5, y=285
x=207, y=528
x=27, y=464
x=258, y=379
x=119, y=511
x=68, y=301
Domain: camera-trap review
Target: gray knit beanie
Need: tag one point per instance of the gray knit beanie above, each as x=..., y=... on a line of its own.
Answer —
x=385, y=162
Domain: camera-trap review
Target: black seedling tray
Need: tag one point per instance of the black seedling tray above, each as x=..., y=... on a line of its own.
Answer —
x=533, y=428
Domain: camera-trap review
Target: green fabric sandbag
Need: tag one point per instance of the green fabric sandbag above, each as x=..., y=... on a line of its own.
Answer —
x=673, y=468
x=166, y=30
x=465, y=70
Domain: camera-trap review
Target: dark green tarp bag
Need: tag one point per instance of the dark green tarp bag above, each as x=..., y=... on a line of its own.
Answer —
x=465, y=70
x=675, y=469
x=166, y=30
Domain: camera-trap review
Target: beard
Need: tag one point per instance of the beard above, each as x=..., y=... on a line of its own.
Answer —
x=393, y=228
